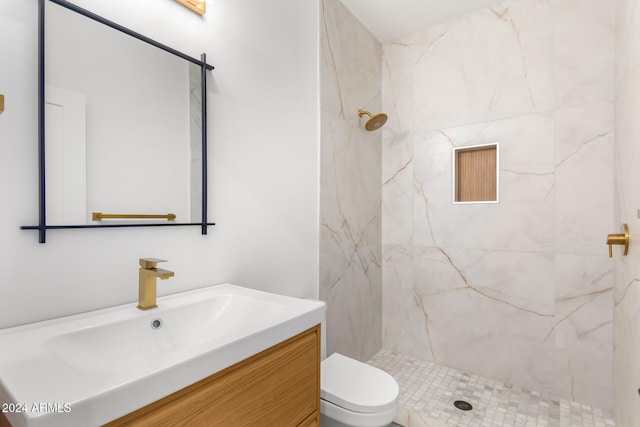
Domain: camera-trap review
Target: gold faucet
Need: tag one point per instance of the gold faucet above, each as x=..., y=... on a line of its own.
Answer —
x=147, y=282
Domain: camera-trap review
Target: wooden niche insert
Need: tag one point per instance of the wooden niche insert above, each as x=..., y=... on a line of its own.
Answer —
x=476, y=174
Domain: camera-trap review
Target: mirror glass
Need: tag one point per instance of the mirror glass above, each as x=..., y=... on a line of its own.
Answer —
x=122, y=125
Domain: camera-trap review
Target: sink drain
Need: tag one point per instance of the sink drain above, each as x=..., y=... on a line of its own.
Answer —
x=156, y=323
x=462, y=405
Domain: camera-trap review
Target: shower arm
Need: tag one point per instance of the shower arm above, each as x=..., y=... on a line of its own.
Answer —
x=361, y=112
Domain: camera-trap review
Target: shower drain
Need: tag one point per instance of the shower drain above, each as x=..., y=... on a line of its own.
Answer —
x=462, y=405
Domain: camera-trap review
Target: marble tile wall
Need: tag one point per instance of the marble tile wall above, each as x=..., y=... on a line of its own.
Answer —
x=627, y=180
x=350, y=194
x=522, y=290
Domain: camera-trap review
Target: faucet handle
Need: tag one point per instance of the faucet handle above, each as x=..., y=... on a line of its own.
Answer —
x=150, y=262
x=619, y=239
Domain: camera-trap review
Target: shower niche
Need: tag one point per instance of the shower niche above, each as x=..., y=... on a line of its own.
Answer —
x=476, y=174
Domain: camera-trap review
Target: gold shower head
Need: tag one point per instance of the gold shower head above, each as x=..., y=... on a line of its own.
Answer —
x=375, y=122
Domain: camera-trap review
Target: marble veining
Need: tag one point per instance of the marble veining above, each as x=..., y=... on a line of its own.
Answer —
x=522, y=290
x=627, y=202
x=350, y=193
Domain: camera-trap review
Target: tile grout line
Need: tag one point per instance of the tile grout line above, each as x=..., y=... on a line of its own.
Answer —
x=430, y=390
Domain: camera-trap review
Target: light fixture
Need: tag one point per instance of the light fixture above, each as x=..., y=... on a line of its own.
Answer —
x=197, y=6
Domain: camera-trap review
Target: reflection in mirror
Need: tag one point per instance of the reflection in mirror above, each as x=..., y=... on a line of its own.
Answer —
x=123, y=124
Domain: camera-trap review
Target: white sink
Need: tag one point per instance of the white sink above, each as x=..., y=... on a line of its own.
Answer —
x=91, y=368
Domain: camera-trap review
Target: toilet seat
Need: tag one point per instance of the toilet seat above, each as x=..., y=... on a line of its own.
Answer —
x=356, y=386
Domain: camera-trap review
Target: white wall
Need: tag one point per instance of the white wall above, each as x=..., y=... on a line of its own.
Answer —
x=263, y=164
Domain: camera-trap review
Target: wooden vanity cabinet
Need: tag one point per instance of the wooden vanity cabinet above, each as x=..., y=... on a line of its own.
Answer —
x=4, y=422
x=277, y=387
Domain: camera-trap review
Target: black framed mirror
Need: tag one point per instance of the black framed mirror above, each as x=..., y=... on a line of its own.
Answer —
x=122, y=126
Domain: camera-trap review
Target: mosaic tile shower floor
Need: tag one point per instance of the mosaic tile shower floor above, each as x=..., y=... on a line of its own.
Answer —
x=427, y=393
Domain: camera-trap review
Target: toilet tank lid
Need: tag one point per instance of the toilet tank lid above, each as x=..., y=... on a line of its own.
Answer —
x=357, y=386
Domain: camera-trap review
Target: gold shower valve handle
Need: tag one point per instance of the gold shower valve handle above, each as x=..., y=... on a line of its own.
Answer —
x=619, y=239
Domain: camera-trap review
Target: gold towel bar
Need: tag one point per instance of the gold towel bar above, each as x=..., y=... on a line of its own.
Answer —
x=197, y=6
x=99, y=216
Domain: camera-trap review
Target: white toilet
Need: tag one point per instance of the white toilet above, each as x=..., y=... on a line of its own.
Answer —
x=356, y=394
